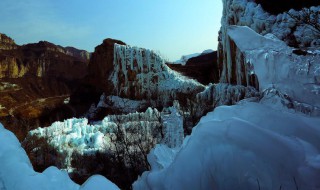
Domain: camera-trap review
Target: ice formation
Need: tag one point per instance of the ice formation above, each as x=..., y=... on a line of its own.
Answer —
x=248, y=13
x=275, y=65
x=77, y=135
x=142, y=74
x=16, y=172
x=269, y=141
x=246, y=146
x=226, y=94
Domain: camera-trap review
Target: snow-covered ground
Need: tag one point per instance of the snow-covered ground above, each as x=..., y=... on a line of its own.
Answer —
x=16, y=172
x=245, y=146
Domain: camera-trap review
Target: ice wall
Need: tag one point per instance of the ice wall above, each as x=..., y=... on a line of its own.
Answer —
x=141, y=74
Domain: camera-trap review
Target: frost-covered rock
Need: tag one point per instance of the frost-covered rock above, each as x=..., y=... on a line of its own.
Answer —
x=248, y=13
x=226, y=94
x=245, y=146
x=124, y=105
x=16, y=171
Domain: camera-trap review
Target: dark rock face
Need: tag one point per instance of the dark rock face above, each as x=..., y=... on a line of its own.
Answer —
x=101, y=64
x=276, y=7
x=203, y=68
x=96, y=82
x=35, y=79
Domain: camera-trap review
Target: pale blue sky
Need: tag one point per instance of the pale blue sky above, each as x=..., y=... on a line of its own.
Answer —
x=173, y=27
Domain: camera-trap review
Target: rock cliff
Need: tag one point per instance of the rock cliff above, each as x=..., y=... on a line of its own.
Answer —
x=35, y=79
x=6, y=43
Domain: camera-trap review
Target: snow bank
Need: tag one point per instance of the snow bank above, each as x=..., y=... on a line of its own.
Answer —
x=16, y=172
x=246, y=146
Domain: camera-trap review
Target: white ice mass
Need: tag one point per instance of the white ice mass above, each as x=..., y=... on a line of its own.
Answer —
x=77, y=135
x=16, y=172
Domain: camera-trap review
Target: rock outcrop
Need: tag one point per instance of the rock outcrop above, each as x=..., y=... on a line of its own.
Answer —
x=41, y=59
x=203, y=68
x=101, y=64
x=6, y=43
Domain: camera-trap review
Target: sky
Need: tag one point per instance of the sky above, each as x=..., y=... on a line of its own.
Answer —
x=171, y=27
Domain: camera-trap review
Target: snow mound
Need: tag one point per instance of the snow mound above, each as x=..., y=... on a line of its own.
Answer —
x=16, y=172
x=247, y=146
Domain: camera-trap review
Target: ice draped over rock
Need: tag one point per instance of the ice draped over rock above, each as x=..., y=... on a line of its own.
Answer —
x=233, y=68
x=253, y=51
x=142, y=74
x=275, y=65
x=80, y=136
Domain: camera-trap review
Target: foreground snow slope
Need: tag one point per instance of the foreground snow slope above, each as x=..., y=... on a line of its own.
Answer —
x=246, y=146
x=16, y=172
